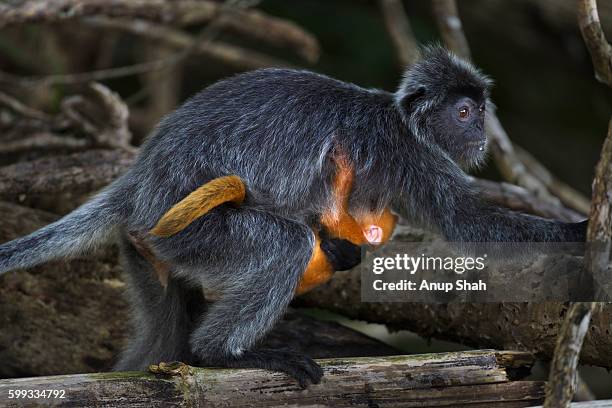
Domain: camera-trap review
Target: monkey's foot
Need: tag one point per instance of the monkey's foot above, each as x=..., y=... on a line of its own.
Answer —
x=299, y=366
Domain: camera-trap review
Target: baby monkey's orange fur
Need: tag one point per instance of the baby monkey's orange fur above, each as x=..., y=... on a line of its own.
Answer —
x=337, y=220
x=339, y=223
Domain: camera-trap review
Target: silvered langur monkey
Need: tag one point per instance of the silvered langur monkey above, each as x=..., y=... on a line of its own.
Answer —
x=276, y=129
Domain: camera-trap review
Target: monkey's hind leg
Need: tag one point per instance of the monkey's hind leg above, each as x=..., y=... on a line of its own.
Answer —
x=162, y=318
x=255, y=260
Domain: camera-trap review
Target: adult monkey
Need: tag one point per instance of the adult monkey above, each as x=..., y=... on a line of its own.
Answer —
x=274, y=129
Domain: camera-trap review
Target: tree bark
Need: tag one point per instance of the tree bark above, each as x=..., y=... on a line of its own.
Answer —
x=477, y=378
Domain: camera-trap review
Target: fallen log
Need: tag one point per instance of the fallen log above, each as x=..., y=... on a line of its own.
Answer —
x=589, y=404
x=522, y=326
x=81, y=172
x=478, y=378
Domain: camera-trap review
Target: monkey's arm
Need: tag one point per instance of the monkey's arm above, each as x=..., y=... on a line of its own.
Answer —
x=442, y=198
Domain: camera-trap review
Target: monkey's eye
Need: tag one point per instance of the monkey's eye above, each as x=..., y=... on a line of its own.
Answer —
x=481, y=109
x=464, y=112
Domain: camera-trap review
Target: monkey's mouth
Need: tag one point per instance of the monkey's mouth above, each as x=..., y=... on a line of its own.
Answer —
x=480, y=145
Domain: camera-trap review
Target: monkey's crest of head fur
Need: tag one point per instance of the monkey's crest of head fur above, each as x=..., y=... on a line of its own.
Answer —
x=438, y=74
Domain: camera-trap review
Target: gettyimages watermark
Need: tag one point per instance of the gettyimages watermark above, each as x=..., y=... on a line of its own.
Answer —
x=438, y=272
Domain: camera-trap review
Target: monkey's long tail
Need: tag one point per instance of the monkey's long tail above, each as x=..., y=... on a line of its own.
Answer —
x=75, y=233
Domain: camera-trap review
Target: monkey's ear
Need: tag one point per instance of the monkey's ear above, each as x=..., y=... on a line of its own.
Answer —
x=410, y=99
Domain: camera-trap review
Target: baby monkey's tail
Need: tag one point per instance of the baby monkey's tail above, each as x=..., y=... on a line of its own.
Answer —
x=212, y=194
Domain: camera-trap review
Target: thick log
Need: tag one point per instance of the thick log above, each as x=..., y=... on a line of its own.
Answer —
x=589, y=404
x=81, y=172
x=477, y=378
x=523, y=326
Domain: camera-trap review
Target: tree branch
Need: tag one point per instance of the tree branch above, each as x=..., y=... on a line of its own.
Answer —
x=400, y=31
x=569, y=196
x=81, y=172
x=562, y=380
x=595, y=40
x=249, y=23
x=450, y=27
x=596, y=276
x=203, y=44
x=451, y=379
x=519, y=199
x=232, y=55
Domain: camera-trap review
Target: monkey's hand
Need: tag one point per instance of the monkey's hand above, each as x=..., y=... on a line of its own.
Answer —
x=341, y=253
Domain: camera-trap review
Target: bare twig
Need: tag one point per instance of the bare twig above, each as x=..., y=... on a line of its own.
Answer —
x=519, y=199
x=450, y=28
x=562, y=382
x=259, y=26
x=22, y=109
x=203, y=40
x=37, y=11
x=101, y=116
x=91, y=76
x=568, y=195
x=232, y=55
x=251, y=23
x=595, y=40
x=600, y=224
x=508, y=163
x=43, y=140
x=400, y=31
x=105, y=121
x=274, y=31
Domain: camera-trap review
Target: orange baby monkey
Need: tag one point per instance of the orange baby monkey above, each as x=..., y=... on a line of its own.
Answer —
x=364, y=228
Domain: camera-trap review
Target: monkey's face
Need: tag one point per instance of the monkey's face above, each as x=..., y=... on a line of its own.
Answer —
x=458, y=128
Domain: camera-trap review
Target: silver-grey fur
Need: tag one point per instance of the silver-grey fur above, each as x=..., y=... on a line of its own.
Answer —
x=276, y=129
